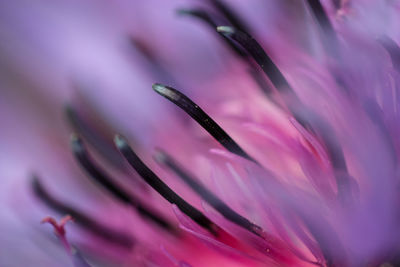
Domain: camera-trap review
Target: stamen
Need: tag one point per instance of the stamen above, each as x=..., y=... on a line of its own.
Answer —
x=329, y=38
x=157, y=184
x=94, y=172
x=110, y=235
x=324, y=131
x=201, y=117
x=327, y=240
x=145, y=50
x=103, y=179
x=230, y=15
x=258, y=54
x=320, y=14
x=207, y=18
x=200, y=14
x=259, y=78
x=156, y=66
x=393, y=49
x=100, y=142
x=206, y=194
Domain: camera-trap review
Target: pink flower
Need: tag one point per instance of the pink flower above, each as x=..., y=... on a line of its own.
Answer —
x=276, y=143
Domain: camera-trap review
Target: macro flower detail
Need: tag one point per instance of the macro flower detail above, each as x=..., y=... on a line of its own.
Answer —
x=270, y=137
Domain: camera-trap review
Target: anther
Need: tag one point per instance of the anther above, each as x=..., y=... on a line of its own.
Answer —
x=206, y=194
x=258, y=54
x=200, y=117
x=158, y=185
x=230, y=15
x=203, y=15
x=103, y=179
x=393, y=49
x=327, y=31
x=320, y=15
x=93, y=136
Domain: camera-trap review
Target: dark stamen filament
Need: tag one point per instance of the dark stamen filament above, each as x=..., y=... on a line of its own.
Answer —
x=259, y=78
x=320, y=15
x=157, y=184
x=258, y=54
x=145, y=50
x=151, y=56
x=100, y=142
x=207, y=18
x=230, y=15
x=329, y=38
x=393, y=49
x=86, y=222
x=201, y=117
x=103, y=179
x=200, y=14
x=206, y=194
